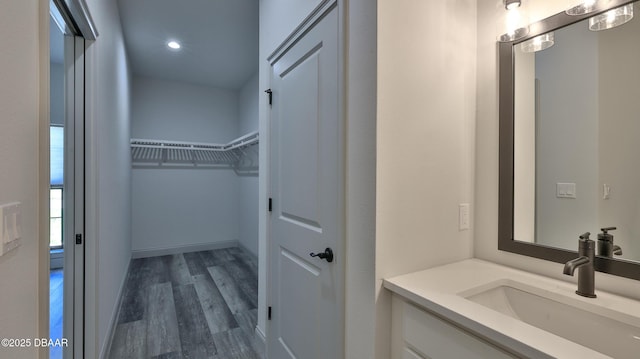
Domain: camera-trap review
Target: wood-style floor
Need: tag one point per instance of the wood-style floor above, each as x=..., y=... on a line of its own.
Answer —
x=192, y=305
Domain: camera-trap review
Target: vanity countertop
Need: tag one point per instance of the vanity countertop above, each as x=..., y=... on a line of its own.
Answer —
x=438, y=290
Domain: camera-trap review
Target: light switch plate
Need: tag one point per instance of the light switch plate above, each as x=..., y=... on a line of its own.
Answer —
x=463, y=216
x=565, y=190
x=10, y=226
x=606, y=191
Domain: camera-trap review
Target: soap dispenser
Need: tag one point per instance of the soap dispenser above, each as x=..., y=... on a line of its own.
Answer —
x=606, y=248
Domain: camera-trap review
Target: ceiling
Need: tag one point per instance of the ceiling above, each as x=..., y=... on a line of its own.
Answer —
x=219, y=40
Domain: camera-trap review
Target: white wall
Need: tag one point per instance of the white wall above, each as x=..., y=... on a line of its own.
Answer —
x=248, y=191
x=486, y=184
x=425, y=138
x=361, y=90
x=248, y=106
x=178, y=208
x=179, y=111
x=108, y=175
x=23, y=80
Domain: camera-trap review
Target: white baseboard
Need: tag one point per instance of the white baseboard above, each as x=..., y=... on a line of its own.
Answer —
x=241, y=245
x=261, y=341
x=114, y=317
x=154, y=252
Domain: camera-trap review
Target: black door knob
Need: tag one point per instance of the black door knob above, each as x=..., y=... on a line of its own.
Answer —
x=327, y=255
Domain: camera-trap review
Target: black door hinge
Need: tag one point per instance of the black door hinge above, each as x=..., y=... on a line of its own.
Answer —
x=270, y=93
x=270, y=205
x=269, y=313
x=78, y=238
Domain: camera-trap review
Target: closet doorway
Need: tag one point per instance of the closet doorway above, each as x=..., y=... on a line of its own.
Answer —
x=194, y=123
x=194, y=179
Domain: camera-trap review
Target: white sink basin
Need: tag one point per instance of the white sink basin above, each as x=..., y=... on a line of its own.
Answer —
x=609, y=332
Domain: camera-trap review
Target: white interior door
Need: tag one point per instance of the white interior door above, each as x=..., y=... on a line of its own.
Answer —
x=307, y=293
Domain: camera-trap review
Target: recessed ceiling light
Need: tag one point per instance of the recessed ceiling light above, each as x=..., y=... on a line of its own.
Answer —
x=173, y=45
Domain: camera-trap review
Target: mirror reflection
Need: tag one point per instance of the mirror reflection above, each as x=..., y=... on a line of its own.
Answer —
x=577, y=137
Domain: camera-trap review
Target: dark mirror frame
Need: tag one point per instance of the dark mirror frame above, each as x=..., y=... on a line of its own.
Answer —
x=506, y=242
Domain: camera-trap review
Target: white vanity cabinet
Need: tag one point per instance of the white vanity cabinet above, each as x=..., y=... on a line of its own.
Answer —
x=417, y=334
x=437, y=313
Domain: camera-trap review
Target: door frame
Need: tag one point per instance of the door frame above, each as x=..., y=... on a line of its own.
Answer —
x=74, y=16
x=74, y=203
x=322, y=9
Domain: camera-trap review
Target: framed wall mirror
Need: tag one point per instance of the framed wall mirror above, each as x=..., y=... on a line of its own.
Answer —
x=570, y=138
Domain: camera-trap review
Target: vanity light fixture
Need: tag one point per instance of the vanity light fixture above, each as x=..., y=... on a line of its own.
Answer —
x=538, y=43
x=584, y=7
x=513, y=23
x=173, y=45
x=611, y=18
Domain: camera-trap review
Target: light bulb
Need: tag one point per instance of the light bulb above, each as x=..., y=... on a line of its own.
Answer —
x=538, y=43
x=611, y=17
x=513, y=20
x=512, y=4
x=584, y=7
x=173, y=45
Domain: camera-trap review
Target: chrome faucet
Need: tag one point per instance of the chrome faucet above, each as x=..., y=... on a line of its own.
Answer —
x=584, y=264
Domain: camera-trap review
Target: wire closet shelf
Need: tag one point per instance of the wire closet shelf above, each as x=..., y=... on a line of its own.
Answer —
x=238, y=153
